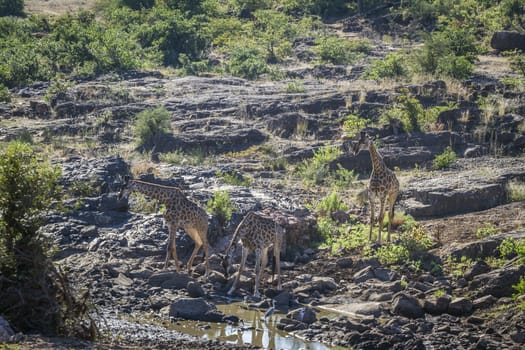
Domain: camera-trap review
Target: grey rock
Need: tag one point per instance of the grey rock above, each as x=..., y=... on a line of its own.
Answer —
x=6, y=332
x=195, y=309
x=304, y=314
x=169, y=280
x=195, y=290
x=407, y=305
x=437, y=305
x=460, y=307
x=507, y=40
x=498, y=282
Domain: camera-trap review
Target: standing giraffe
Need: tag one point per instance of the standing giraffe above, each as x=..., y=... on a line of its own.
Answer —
x=180, y=213
x=383, y=183
x=257, y=233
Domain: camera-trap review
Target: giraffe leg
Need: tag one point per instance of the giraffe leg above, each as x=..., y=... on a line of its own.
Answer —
x=381, y=218
x=206, y=257
x=172, y=248
x=245, y=252
x=259, y=268
x=391, y=202
x=277, y=259
x=372, y=201
x=198, y=246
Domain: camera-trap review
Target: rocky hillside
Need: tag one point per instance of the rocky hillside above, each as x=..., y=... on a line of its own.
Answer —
x=455, y=294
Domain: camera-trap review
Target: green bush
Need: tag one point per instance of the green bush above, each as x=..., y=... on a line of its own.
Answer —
x=234, y=178
x=151, y=125
x=316, y=171
x=336, y=50
x=246, y=61
x=445, y=159
x=11, y=8
x=449, y=52
x=341, y=237
x=393, y=65
x=408, y=110
x=330, y=204
x=221, y=206
x=5, y=96
x=353, y=124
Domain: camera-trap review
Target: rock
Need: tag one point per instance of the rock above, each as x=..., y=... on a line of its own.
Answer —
x=407, y=305
x=484, y=302
x=319, y=284
x=123, y=280
x=374, y=273
x=303, y=314
x=437, y=305
x=196, y=309
x=507, y=40
x=344, y=262
x=477, y=268
x=282, y=298
x=460, y=307
x=6, y=332
x=195, y=289
x=498, y=282
x=169, y=280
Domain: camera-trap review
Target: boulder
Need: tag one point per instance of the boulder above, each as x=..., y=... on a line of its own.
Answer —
x=169, y=280
x=437, y=305
x=196, y=309
x=303, y=314
x=407, y=306
x=460, y=307
x=507, y=40
x=6, y=332
x=498, y=282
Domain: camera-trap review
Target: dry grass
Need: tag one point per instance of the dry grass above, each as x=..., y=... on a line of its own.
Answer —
x=57, y=7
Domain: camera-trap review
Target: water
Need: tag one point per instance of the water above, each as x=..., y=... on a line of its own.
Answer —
x=252, y=330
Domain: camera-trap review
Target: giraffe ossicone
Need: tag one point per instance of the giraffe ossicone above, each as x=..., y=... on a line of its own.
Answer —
x=180, y=212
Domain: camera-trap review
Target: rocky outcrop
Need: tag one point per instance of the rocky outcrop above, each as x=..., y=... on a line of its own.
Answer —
x=507, y=40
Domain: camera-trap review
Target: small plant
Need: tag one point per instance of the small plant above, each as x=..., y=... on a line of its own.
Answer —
x=150, y=125
x=392, y=254
x=519, y=288
x=343, y=178
x=192, y=157
x=457, y=267
x=315, y=171
x=516, y=191
x=234, y=178
x=336, y=50
x=221, y=206
x=510, y=247
x=295, y=87
x=353, y=124
x=330, y=204
x=487, y=230
x=338, y=237
x=445, y=159
x=5, y=96
x=439, y=293
x=392, y=66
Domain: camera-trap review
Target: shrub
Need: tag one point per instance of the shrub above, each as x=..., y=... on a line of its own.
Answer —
x=352, y=124
x=221, y=206
x=408, y=110
x=5, y=96
x=393, y=65
x=516, y=191
x=338, y=237
x=330, y=204
x=150, y=126
x=315, y=171
x=11, y=8
x=246, y=61
x=234, y=178
x=445, y=159
x=295, y=87
x=392, y=254
x=336, y=50
x=449, y=52
x=486, y=230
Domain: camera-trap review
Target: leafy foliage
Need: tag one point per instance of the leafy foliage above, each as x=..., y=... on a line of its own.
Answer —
x=353, y=124
x=221, y=206
x=151, y=125
x=330, y=204
x=445, y=159
x=394, y=65
x=335, y=50
x=315, y=171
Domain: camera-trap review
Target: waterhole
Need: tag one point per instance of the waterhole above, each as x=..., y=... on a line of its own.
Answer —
x=252, y=330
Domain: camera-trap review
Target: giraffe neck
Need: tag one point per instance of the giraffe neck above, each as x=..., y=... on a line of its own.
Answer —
x=377, y=161
x=158, y=192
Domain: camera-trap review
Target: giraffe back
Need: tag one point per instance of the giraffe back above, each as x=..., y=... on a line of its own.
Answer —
x=258, y=231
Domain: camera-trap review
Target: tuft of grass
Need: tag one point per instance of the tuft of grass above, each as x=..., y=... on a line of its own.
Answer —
x=516, y=191
x=295, y=87
x=486, y=230
x=234, y=178
x=316, y=170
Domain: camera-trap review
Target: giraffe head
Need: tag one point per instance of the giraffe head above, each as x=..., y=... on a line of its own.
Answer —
x=125, y=189
x=355, y=146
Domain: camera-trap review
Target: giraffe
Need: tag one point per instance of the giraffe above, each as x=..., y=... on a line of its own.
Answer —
x=180, y=213
x=258, y=233
x=383, y=184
